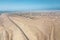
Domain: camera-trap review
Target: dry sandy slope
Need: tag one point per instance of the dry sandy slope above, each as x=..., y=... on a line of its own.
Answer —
x=29, y=28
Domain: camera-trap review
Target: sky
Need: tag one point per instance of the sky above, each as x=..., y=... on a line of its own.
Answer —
x=16, y=5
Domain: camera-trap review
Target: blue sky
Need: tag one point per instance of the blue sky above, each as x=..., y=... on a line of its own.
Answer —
x=8, y=5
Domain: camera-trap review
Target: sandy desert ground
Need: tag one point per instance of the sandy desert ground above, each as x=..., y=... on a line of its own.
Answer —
x=29, y=27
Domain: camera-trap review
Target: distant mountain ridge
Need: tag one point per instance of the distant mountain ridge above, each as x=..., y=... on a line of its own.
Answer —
x=45, y=12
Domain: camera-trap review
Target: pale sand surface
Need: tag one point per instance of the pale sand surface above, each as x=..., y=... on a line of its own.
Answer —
x=29, y=28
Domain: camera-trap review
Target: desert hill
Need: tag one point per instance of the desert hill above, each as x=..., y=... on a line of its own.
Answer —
x=30, y=26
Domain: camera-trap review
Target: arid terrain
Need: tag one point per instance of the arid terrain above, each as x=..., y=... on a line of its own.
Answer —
x=30, y=26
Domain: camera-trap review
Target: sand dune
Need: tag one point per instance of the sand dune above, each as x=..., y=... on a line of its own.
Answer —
x=29, y=27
